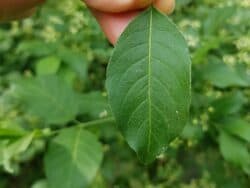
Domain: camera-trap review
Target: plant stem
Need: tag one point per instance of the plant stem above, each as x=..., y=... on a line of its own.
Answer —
x=80, y=125
x=97, y=122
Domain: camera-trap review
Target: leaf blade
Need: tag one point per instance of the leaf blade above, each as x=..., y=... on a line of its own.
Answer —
x=142, y=96
x=237, y=127
x=75, y=160
x=49, y=98
x=234, y=151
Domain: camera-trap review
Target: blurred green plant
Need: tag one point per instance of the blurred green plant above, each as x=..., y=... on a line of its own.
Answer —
x=52, y=69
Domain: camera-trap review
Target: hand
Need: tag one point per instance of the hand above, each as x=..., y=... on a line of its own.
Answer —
x=17, y=9
x=114, y=15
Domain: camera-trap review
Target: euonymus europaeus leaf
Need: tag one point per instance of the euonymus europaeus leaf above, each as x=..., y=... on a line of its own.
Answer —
x=73, y=159
x=235, y=150
x=48, y=65
x=148, y=82
x=48, y=98
x=237, y=127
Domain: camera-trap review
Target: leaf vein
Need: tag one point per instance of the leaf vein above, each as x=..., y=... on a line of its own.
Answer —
x=149, y=80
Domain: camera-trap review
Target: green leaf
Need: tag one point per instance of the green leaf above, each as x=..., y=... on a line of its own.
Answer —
x=14, y=149
x=191, y=131
x=235, y=151
x=221, y=75
x=49, y=98
x=148, y=83
x=11, y=129
x=216, y=18
x=228, y=104
x=36, y=48
x=208, y=44
x=48, y=65
x=94, y=104
x=75, y=60
x=182, y=3
x=73, y=159
x=6, y=133
x=68, y=75
x=238, y=127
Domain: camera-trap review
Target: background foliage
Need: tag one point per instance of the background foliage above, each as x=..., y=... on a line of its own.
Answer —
x=52, y=69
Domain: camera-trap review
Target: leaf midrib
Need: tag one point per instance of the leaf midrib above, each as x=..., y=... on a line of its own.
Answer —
x=74, y=154
x=149, y=80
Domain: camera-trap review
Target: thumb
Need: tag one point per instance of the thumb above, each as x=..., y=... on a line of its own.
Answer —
x=113, y=24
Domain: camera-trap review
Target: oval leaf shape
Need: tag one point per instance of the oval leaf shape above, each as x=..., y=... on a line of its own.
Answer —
x=149, y=83
x=73, y=159
x=49, y=98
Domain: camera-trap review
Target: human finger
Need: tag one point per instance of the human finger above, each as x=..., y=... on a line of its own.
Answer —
x=117, y=6
x=165, y=6
x=6, y=5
